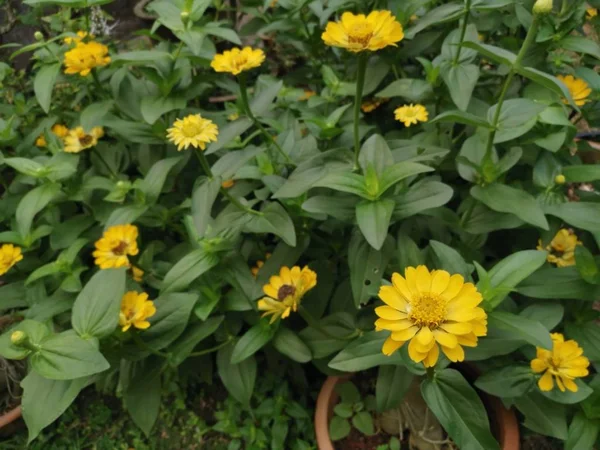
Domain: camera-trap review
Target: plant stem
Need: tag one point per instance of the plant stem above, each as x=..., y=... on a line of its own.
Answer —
x=212, y=349
x=246, y=105
x=138, y=340
x=531, y=34
x=203, y=162
x=463, y=31
x=97, y=81
x=360, y=84
x=177, y=52
x=113, y=174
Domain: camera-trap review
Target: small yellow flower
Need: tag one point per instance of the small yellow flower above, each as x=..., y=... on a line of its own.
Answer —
x=273, y=3
x=236, y=61
x=85, y=57
x=115, y=244
x=41, y=141
x=78, y=140
x=81, y=35
x=411, y=114
x=307, y=94
x=371, y=105
x=562, y=364
x=285, y=291
x=591, y=13
x=60, y=130
x=135, y=309
x=259, y=265
x=431, y=310
x=18, y=337
x=227, y=184
x=137, y=274
x=561, y=250
x=560, y=179
x=192, y=130
x=577, y=87
x=233, y=116
x=9, y=256
x=358, y=33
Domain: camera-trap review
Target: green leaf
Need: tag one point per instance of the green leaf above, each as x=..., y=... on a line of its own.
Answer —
x=442, y=14
x=142, y=394
x=125, y=215
x=143, y=56
x=503, y=198
x=96, y=309
x=548, y=81
x=187, y=269
x=363, y=422
x=343, y=410
x=252, y=341
x=421, y=196
x=558, y=282
x=43, y=84
x=338, y=428
x=32, y=203
x=461, y=80
x=449, y=259
x=228, y=133
x=568, y=397
x=457, y=116
x=506, y=382
x=373, y=219
x=344, y=182
x=459, y=410
x=399, y=172
x=341, y=208
x=413, y=90
x=274, y=219
x=582, y=433
x=25, y=166
x=587, y=336
x=93, y=115
x=509, y=272
x=517, y=117
x=289, y=344
x=155, y=178
x=542, y=415
x=581, y=173
x=36, y=333
x=192, y=336
x=261, y=102
x=45, y=400
x=232, y=161
x=580, y=44
x=202, y=201
x=585, y=215
x=376, y=153
x=510, y=158
x=548, y=314
x=493, y=53
x=66, y=356
x=154, y=106
x=393, y=382
x=586, y=265
x=238, y=379
x=529, y=330
x=172, y=314
x=12, y=296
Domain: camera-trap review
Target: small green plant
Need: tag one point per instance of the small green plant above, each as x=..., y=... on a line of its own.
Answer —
x=352, y=409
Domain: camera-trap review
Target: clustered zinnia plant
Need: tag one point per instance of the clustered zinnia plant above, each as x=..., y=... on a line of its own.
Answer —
x=407, y=192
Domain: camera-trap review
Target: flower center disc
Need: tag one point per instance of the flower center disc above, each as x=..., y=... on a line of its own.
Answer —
x=120, y=249
x=239, y=62
x=191, y=129
x=427, y=310
x=86, y=140
x=285, y=290
x=360, y=33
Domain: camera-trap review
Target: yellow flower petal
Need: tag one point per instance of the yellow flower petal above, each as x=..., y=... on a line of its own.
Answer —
x=390, y=346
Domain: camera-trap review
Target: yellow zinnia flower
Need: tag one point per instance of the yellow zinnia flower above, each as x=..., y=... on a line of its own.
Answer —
x=9, y=256
x=372, y=104
x=41, y=141
x=307, y=94
x=137, y=274
x=81, y=35
x=591, y=13
x=59, y=130
x=358, y=33
x=577, y=87
x=115, y=244
x=135, y=309
x=227, y=184
x=236, y=61
x=430, y=309
x=84, y=57
x=411, y=114
x=561, y=250
x=564, y=362
x=192, y=130
x=259, y=265
x=78, y=140
x=285, y=291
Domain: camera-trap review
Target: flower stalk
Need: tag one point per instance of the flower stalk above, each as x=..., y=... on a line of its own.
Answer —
x=463, y=31
x=360, y=84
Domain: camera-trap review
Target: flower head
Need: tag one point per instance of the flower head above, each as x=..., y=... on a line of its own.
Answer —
x=135, y=310
x=561, y=250
x=542, y=7
x=285, y=291
x=115, y=244
x=259, y=265
x=85, y=57
x=411, y=114
x=577, y=87
x=236, y=61
x=81, y=35
x=307, y=94
x=9, y=256
x=227, y=184
x=591, y=13
x=431, y=310
x=78, y=140
x=137, y=274
x=562, y=364
x=59, y=130
x=41, y=141
x=192, y=130
x=358, y=33
x=371, y=105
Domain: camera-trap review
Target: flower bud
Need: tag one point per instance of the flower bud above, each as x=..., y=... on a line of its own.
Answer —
x=38, y=36
x=184, y=15
x=542, y=7
x=560, y=179
x=18, y=337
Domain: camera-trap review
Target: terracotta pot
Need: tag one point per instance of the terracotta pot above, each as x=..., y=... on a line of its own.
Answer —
x=10, y=416
x=504, y=423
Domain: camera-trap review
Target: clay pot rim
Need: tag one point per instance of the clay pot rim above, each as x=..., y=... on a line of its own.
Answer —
x=505, y=420
x=10, y=416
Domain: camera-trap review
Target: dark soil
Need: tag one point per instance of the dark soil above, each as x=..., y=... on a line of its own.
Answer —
x=358, y=441
x=538, y=442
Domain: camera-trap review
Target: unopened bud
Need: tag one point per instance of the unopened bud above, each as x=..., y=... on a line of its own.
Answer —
x=18, y=337
x=184, y=15
x=560, y=179
x=38, y=36
x=542, y=7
